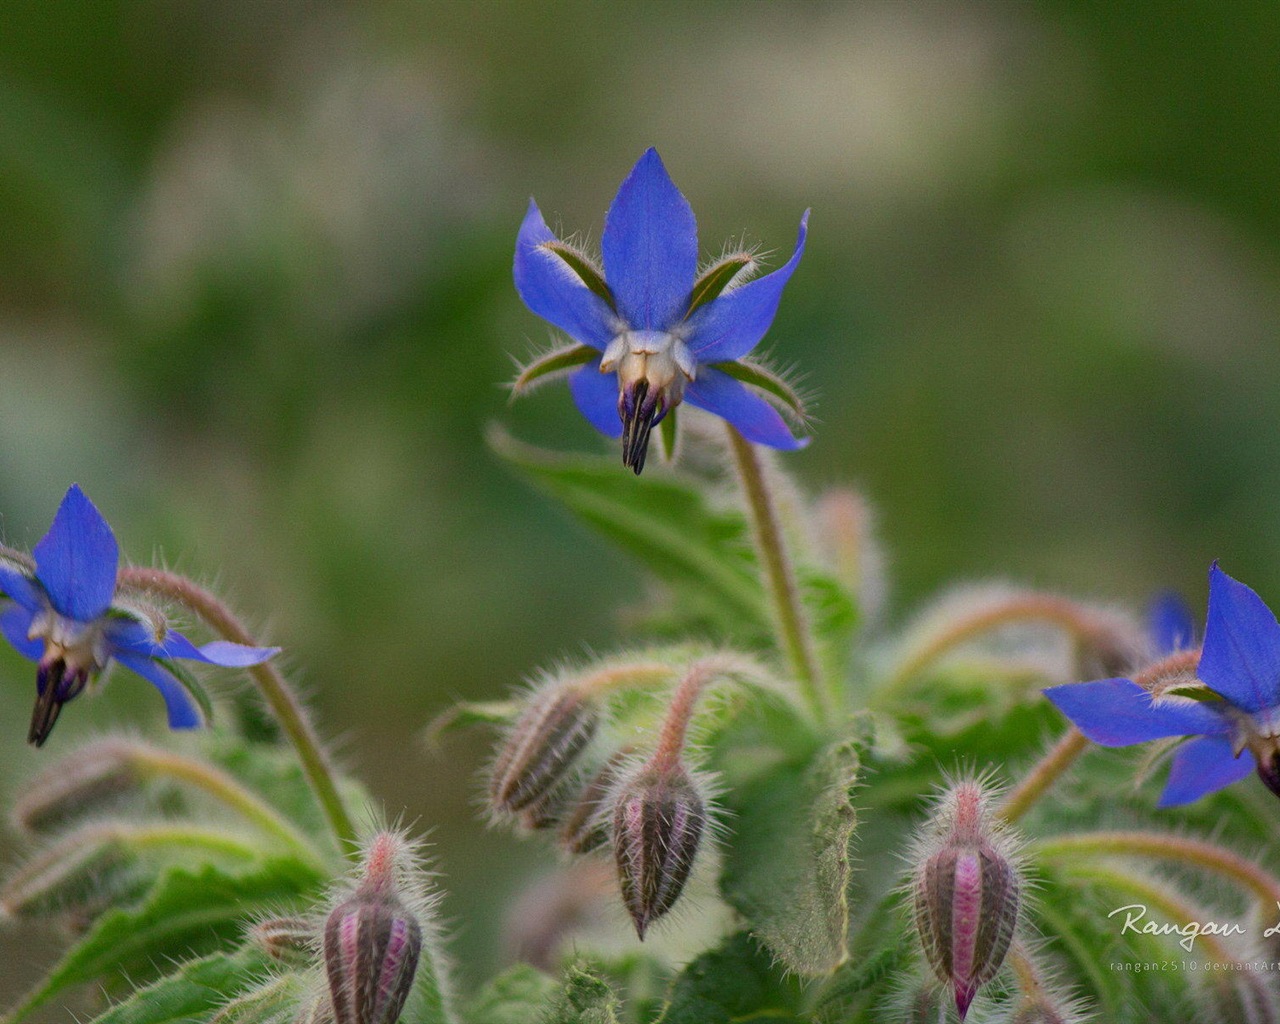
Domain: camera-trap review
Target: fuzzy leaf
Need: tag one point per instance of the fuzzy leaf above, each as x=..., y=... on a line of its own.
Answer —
x=663, y=520
x=585, y=999
x=516, y=996
x=737, y=982
x=772, y=384
x=189, y=911
x=430, y=1000
x=274, y=774
x=276, y=1000
x=557, y=361
x=787, y=864
x=196, y=992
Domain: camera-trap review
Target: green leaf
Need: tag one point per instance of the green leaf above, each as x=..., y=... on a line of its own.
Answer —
x=430, y=1000
x=770, y=382
x=189, y=911
x=787, y=864
x=549, y=363
x=587, y=271
x=717, y=278
x=278, y=999
x=195, y=992
x=737, y=982
x=585, y=999
x=519, y=995
x=662, y=519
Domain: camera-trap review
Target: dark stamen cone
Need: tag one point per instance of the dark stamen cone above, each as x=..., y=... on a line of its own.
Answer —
x=641, y=409
x=54, y=687
x=554, y=729
x=1269, y=771
x=658, y=821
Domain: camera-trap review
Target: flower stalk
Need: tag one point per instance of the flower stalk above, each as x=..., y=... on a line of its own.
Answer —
x=795, y=635
x=280, y=698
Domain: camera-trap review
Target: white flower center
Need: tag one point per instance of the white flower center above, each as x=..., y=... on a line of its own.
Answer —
x=80, y=646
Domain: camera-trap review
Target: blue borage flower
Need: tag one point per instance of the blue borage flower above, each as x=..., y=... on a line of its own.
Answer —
x=1234, y=718
x=651, y=331
x=66, y=613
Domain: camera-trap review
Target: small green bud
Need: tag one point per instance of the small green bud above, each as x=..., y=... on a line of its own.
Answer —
x=659, y=817
x=555, y=727
x=966, y=891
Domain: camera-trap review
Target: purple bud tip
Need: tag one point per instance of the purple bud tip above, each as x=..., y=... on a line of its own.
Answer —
x=658, y=821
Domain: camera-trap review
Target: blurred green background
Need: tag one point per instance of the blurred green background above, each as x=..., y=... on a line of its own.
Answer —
x=255, y=297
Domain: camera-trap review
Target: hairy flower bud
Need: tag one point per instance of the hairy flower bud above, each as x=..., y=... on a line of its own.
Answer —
x=77, y=786
x=658, y=820
x=291, y=940
x=372, y=942
x=553, y=730
x=586, y=822
x=966, y=892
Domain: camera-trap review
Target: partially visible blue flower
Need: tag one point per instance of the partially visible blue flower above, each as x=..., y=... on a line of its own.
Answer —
x=651, y=332
x=1170, y=624
x=65, y=613
x=1235, y=719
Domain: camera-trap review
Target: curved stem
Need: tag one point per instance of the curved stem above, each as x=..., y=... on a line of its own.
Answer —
x=1193, y=852
x=790, y=621
x=222, y=787
x=1089, y=627
x=279, y=696
x=675, y=725
x=1043, y=775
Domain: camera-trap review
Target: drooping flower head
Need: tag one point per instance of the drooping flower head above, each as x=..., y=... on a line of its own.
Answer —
x=650, y=331
x=1234, y=716
x=66, y=613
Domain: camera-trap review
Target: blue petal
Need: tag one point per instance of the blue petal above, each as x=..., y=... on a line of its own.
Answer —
x=729, y=399
x=15, y=622
x=1170, y=624
x=18, y=586
x=1202, y=766
x=76, y=560
x=650, y=245
x=130, y=637
x=551, y=289
x=184, y=712
x=1118, y=712
x=730, y=326
x=1241, y=657
x=596, y=395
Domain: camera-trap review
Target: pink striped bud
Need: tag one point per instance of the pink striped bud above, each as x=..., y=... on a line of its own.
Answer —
x=966, y=891
x=372, y=943
x=555, y=727
x=659, y=816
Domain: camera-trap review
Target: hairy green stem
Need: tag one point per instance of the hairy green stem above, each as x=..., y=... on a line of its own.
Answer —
x=281, y=699
x=794, y=633
x=1043, y=775
x=1192, y=852
x=223, y=787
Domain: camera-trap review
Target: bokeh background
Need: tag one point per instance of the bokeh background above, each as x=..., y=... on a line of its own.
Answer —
x=255, y=297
